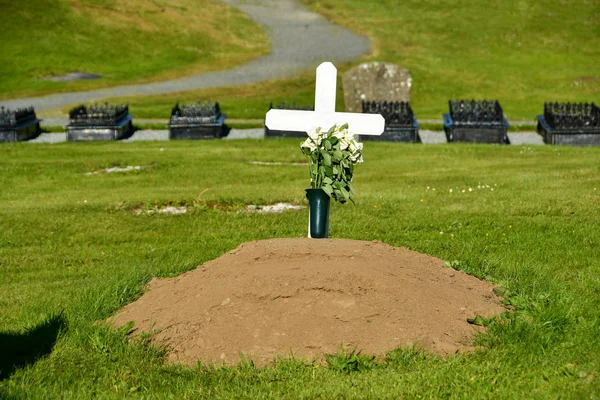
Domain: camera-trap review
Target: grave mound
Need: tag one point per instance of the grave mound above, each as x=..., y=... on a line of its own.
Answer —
x=306, y=297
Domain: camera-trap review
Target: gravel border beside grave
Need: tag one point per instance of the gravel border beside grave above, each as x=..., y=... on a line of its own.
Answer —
x=525, y=138
x=427, y=137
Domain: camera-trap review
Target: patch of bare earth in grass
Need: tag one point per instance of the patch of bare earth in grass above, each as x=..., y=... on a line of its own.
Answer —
x=306, y=297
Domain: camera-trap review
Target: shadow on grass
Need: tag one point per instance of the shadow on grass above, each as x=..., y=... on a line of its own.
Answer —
x=19, y=349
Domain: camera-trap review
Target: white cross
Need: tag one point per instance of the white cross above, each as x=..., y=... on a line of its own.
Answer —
x=324, y=115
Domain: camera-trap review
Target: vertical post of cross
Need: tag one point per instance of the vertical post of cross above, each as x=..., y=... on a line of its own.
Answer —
x=325, y=88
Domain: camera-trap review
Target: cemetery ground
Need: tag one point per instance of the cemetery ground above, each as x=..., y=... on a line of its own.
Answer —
x=76, y=245
x=521, y=53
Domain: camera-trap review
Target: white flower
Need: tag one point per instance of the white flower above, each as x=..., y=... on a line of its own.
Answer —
x=309, y=144
x=344, y=144
x=316, y=135
x=353, y=146
x=340, y=133
x=356, y=157
x=357, y=160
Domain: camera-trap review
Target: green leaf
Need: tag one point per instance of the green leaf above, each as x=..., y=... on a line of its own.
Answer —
x=327, y=189
x=326, y=158
x=327, y=144
x=321, y=171
x=345, y=193
x=327, y=180
x=479, y=320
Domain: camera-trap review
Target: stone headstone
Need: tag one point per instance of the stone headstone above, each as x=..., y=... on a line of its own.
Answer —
x=18, y=125
x=400, y=121
x=200, y=120
x=375, y=81
x=99, y=122
x=476, y=121
x=576, y=124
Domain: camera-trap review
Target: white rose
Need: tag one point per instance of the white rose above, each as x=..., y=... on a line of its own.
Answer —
x=343, y=144
x=309, y=144
x=356, y=158
x=340, y=133
x=355, y=146
x=316, y=135
x=352, y=146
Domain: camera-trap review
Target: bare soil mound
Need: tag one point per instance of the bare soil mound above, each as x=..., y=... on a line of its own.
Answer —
x=306, y=297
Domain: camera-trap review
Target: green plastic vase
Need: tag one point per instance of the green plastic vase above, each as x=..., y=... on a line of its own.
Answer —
x=318, y=206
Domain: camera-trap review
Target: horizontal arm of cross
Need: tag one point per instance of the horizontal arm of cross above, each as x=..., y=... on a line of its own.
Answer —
x=304, y=121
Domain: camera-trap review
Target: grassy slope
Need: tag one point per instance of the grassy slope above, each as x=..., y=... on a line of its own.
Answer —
x=69, y=241
x=249, y=101
x=521, y=52
x=125, y=41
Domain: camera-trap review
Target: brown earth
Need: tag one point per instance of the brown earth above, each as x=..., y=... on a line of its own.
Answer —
x=306, y=297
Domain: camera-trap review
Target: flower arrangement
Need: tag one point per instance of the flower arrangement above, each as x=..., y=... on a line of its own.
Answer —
x=332, y=155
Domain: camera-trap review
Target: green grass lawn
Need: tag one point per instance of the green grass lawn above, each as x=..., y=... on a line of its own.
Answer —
x=72, y=252
x=124, y=41
x=521, y=52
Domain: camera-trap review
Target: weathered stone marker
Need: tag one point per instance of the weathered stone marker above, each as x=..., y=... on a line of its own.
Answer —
x=324, y=116
x=375, y=81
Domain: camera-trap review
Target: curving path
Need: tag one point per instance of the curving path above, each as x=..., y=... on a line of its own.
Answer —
x=300, y=40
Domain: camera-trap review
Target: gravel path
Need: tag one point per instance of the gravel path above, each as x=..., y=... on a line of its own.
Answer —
x=515, y=138
x=300, y=41
x=151, y=134
x=427, y=137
